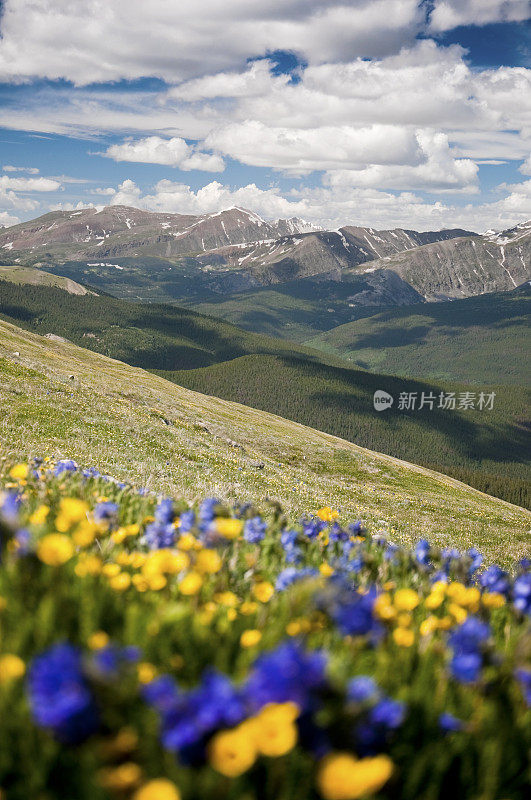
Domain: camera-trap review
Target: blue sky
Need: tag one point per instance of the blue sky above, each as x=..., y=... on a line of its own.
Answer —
x=373, y=112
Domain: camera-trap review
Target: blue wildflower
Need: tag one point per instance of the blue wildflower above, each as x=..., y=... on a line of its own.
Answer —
x=290, y=575
x=466, y=667
x=422, y=552
x=207, y=511
x=254, y=530
x=450, y=724
x=469, y=636
x=494, y=579
x=476, y=560
x=23, y=541
x=288, y=673
x=164, y=512
x=9, y=506
x=187, y=521
x=65, y=465
x=59, y=695
x=108, y=661
x=523, y=675
x=353, y=614
x=522, y=593
x=387, y=713
x=105, y=511
x=158, y=536
x=361, y=688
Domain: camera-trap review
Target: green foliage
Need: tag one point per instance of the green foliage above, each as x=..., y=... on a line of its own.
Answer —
x=339, y=401
x=478, y=340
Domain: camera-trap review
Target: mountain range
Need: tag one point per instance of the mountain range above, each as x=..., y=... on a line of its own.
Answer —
x=192, y=259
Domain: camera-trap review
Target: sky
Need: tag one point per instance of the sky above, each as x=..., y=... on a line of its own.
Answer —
x=380, y=113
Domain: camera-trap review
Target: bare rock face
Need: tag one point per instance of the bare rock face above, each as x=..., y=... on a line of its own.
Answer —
x=466, y=265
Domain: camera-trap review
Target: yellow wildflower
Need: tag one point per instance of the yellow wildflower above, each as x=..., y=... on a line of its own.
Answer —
x=275, y=732
x=228, y=528
x=263, y=591
x=248, y=607
x=111, y=569
x=191, y=583
x=226, y=599
x=406, y=599
x=121, y=582
x=457, y=612
x=493, y=600
x=158, y=789
x=97, y=640
x=146, y=672
x=11, y=668
x=88, y=564
x=39, y=515
x=165, y=562
x=233, y=752
x=188, y=542
x=125, y=776
x=327, y=514
x=19, y=472
x=383, y=608
x=429, y=625
x=343, y=777
x=55, y=549
x=85, y=533
x=326, y=570
x=71, y=510
x=208, y=561
x=403, y=637
x=250, y=638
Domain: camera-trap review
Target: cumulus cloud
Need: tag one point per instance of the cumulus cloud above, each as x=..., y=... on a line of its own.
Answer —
x=6, y=219
x=448, y=14
x=29, y=184
x=92, y=40
x=174, y=152
x=333, y=206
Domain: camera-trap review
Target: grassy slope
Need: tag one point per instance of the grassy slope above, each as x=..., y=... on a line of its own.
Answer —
x=134, y=424
x=286, y=379
x=477, y=339
x=38, y=277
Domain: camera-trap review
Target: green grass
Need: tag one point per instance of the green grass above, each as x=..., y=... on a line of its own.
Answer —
x=136, y=425
x=477, y=339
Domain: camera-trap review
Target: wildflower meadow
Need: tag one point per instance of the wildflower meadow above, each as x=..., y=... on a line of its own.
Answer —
x=155, y=649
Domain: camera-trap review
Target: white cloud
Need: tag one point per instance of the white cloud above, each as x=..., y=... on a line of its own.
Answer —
x=29, y=170
x=174, y=152
x=333, y=206
x=7, y=219
x=525, y=168
x=29, y=184
x=448, y=14
x=93, y=40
